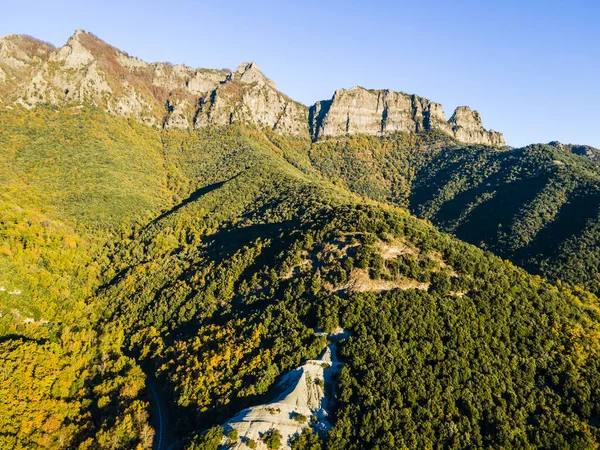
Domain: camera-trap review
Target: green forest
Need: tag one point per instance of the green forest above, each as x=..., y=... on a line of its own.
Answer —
x=536, y=206
x=202, y=262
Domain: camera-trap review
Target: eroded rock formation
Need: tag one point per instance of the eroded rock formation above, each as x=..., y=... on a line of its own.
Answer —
x=248, y=96
x=86, y=70
x=379, y=112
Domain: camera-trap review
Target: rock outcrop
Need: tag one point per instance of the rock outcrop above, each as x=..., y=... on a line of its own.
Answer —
x=18, y=56
x=466, y=127
x=87, y=70
x=305, y=399
x=359, y=110
x=580, y=150
x=248, y=96
x=380, y=112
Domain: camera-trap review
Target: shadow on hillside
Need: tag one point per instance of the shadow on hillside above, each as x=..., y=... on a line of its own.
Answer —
x=574, y=217
x=193, y=197
x=482, y=222
x=18, y=337
x=221, y=246
x=198, y=193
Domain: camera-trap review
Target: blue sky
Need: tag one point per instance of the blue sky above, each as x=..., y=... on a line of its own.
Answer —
x=531, y=68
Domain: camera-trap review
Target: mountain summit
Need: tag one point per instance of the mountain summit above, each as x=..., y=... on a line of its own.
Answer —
x=86, y=70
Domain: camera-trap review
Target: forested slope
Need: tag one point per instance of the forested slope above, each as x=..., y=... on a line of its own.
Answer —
x=69, y=187
x=537, y=206
x=209, y=258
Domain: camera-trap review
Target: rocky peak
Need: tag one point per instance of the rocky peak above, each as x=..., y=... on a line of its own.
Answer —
x=467, y=127
x=249, y=96
x=19, y=55
x=87, y=70
x=74, y=54
x=250, y=73
x=358, y=110
x=380, y=112
x=18, y=50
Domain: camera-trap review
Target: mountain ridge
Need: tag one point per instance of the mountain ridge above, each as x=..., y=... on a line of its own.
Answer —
x=87, y=70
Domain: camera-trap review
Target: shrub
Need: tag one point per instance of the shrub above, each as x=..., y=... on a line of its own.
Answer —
x=300, y=418
x=233, y=435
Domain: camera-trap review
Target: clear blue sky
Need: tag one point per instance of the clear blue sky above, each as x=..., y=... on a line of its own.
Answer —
x=531, y=67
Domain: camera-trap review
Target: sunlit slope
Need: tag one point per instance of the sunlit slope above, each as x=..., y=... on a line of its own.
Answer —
x=223, y=293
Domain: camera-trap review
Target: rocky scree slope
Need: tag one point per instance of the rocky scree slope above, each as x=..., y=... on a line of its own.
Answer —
x=87, y=70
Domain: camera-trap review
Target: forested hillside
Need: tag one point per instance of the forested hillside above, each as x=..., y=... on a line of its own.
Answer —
x=72, y=182
x=208, y=259
x=537, y=206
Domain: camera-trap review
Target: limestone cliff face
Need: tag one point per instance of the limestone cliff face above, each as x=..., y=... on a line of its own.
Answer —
x=380, y=112
x=87, y=70
x=466, y=127
x=248, y=96
x=18, y=56
x=359, y=110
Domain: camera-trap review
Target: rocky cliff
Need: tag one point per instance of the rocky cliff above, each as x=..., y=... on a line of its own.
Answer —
x=87, y=70
x=18, y=54
x=248, y=96
x=380, y=112
x=466, y=127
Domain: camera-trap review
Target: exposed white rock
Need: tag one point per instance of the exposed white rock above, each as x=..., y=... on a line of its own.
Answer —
x=380, y=112
x=305, y=392
x=18, y=52
x=131, y=104
x=467, y=127
x=88, y=71
x=362, y=111
x=250, y=73
x=204, y=81
x=131, y=63
x=248, y=96
x=176, y=118
x=73, y=55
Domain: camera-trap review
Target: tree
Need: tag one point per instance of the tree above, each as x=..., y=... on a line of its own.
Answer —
x=272, y=439
x=209, y=440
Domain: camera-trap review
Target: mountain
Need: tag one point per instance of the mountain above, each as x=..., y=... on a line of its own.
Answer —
x=162, y=282
x=87, y=70
x=537, y=206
